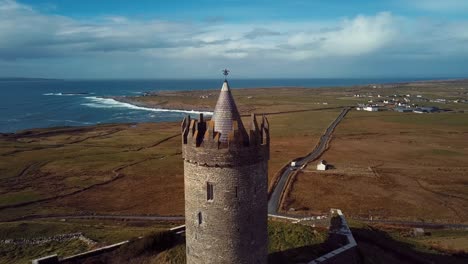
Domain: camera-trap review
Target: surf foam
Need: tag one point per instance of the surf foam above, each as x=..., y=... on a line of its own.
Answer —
x=99, y=102
x=53, y=94
x=67, y=94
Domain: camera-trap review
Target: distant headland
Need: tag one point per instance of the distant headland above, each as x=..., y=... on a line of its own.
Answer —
x=24, y=79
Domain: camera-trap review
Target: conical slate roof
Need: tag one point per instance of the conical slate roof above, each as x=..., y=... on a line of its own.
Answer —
x=225, y=113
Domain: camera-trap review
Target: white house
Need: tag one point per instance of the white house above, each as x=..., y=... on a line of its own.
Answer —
x=322, y=165
x=418, y=232
x=371, y=108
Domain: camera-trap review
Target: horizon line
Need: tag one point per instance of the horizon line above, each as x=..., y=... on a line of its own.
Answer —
x=241, y=78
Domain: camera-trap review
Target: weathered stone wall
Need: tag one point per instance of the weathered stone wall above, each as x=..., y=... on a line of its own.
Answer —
x=233, y=227
x=82, y=257
x=43, y=240
x=230, y=227
x=225, y=157
x=340, y=236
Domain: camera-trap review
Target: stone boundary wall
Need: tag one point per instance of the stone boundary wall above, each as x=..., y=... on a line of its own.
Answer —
x=43, y=240
x=287, y=189
x=314, y=221
x=53, y=259
x=340, y=234
x=92, y=253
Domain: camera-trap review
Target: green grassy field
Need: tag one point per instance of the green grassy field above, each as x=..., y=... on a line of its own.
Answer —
x=396, y=244
x=294, y=243
x=13, y=254
x=103, y=232
x=288, y=243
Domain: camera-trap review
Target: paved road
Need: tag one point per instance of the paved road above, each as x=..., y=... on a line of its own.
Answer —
x=273, y=203
x=275, y=197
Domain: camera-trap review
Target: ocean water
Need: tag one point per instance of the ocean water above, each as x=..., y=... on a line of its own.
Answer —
x=51, y=103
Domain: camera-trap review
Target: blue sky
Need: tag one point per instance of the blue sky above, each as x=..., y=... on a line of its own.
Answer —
x=255, y=39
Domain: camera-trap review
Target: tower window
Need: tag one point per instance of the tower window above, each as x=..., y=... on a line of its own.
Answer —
x=236, y=192
x=200, y=218
x=209, y=191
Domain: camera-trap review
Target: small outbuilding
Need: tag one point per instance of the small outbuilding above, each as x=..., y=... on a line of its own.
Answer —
x=371, y=108
x=322, y=165
x=417, y=232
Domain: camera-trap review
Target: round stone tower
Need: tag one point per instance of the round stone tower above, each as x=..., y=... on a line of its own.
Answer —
x=226, y=181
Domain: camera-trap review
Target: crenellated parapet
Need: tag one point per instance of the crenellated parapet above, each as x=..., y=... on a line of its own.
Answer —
x=226, y=185
x=202, y=144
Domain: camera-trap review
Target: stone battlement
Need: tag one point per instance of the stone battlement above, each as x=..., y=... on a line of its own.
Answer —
x=201, y=144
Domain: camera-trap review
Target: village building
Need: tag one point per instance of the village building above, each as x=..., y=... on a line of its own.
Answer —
x=371, y=108
x=417, y=232
x=429, y=109
x=402, y=104
x=322, y=165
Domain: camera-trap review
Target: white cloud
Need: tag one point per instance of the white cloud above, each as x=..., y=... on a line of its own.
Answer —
x=353, y=37
x=11, y=5
x=26, y=33
x=116, y=42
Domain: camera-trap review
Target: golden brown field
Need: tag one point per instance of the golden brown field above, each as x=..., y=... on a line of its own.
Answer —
x=387, y=163
x=392, y=165
x=119, y=169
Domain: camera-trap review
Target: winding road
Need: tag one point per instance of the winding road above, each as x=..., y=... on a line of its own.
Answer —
x=273, y=202
x=275, y=198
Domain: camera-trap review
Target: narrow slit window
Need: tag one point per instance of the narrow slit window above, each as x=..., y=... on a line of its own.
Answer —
x=200, y=218
x=209, y=191
x=236, y=192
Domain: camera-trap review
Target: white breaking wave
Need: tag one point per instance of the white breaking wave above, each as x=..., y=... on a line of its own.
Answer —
x=67, y=94
x=98, y=102
x=70, y=121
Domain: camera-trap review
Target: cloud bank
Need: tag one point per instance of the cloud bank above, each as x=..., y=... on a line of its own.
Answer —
x=383, y=44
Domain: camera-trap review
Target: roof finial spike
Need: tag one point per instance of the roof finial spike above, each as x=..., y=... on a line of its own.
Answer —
x=225, y=73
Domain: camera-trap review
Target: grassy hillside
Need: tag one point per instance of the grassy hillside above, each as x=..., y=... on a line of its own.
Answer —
x=100, y=232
